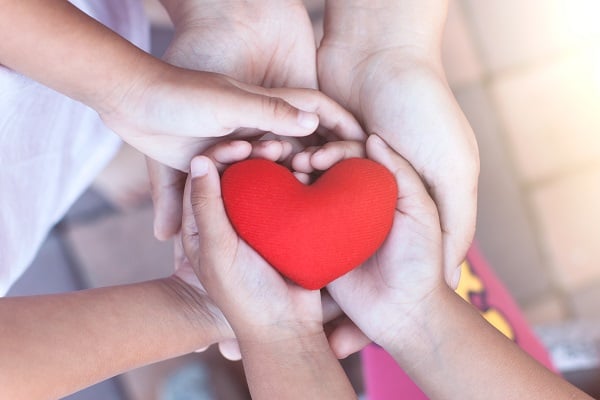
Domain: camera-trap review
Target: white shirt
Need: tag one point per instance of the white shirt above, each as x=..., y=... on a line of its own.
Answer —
x=51, y=147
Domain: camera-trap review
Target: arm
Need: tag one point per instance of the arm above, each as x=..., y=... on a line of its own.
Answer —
x=51, y=346
x=137, y=95
x=299, y=367
x=452, y=352
x=60, y=46
x=279, y=326
x=399, y=300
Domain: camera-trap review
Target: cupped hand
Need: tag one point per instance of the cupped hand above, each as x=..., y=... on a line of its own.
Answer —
x=402, y=95
x=267, y=43
x=258, y=302
x=221, y=155
x=382, y=296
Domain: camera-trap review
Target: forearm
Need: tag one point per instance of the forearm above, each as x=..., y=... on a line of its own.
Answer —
x=54, y=345
x=454, y=353
x=299, y=368
x=414, y=25
x=54, y=43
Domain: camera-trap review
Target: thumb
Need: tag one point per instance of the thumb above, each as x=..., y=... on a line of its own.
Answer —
x=257, y=109
x=214, y=232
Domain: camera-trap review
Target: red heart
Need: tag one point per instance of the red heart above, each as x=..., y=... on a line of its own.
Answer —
x=311, y=234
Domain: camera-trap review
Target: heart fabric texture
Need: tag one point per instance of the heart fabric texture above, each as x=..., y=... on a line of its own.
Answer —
x=312, y=234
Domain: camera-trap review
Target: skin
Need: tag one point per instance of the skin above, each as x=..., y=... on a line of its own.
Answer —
x=392, y=80
x=271, y=51
x=278, y=325
x=54, y=345
x=136, y=94
x=399, y=299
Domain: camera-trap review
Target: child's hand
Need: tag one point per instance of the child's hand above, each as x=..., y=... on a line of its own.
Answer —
x=222, y=155
x=382, y=296
x=279, y=325
x=276, y=50
x=171, y=114
x=258, y=303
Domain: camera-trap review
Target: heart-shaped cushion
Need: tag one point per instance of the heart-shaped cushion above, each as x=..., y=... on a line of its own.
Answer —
x=312, y=234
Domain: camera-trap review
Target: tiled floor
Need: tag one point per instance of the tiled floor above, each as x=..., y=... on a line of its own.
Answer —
x=527, y=75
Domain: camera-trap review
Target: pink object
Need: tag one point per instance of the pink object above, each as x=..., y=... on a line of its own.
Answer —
x=385, y=380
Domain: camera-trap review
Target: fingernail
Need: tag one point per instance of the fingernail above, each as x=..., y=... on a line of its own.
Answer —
x=308, y=120
x=199, y=167
x=456, y=277
x=378, y=141
x=319, y=153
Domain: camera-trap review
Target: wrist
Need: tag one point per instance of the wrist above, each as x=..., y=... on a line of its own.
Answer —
x=185, y=12
x=278, y=333
x=426, y=329
x=414, y=27
x=197, y=310
x=284, y=342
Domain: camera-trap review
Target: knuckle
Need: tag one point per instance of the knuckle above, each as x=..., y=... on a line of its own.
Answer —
x=278, y=108
x=202, y=200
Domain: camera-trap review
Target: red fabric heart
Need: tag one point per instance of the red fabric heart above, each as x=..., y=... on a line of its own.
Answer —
x=311, y=234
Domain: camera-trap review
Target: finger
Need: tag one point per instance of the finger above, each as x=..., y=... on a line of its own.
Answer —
x=213, y=230
x=334, y=152
x=274, y=150
x=167, y=191
x=259, y=109
x=228, y=152
x=345, y=338
x=302, y=177
x=189, y=230
x=332, y=116
x=230, y=349
x=301, y=161
x=458, y=225
x=416, y=199
x=413, y=197
x=178, y=253
x=286, y=151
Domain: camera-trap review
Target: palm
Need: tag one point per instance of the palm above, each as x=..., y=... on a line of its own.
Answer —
x=399, y=275
x=271, y=46
x=259, y=281
x=412, y=108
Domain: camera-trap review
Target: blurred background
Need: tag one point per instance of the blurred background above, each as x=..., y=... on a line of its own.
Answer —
x=527, y=75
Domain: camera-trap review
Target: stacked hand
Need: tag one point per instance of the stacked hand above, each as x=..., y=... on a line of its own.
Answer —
x=392, y=81
x=266, y=43
x=382, y=297
x=395, y=90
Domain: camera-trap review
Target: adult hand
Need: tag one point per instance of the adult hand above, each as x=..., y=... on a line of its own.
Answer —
x=268, y=43
x=392, y=80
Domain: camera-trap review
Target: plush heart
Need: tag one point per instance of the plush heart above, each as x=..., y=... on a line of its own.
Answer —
x=312, y=234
